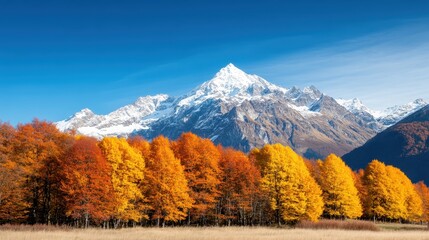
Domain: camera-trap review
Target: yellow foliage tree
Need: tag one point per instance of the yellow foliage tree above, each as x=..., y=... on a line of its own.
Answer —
x=339, y=192
x=127, y=177
x=293, y=193
x=168, y=194
x=376, y=181
x=407, y=203
x=390, y=193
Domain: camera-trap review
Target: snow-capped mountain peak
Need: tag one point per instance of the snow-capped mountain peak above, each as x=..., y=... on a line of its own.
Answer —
x=418, y=103
x=230, y=69
x=84, y=112
x=384, y=118
x=83, y=117
x=155, y=100
x=393, y=114
x=354, y=105
x=233, y=81
x=231, y=84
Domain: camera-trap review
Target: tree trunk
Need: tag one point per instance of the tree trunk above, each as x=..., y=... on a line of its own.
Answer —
x=189, y=217
x=116, y=223
x=86, y=220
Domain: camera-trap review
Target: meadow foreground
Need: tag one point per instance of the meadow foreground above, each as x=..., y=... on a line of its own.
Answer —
x=213, y=233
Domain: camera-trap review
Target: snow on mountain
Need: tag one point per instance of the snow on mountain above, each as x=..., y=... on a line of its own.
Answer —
x=79, y=119
x=303, y=97
x=394, y=114
x=231, y=84
x=385, y=118
x=121, y=122
x=355, y=106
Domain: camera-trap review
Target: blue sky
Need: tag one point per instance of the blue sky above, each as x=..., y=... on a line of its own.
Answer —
x=57, y=57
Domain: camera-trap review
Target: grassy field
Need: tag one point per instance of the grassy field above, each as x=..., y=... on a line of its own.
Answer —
x=213, y=233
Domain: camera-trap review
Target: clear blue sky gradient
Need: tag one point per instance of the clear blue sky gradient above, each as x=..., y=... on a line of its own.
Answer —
x=57, y=57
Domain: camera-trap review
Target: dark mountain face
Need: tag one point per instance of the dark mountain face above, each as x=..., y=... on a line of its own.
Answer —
x=404, y=145
x=419, y=116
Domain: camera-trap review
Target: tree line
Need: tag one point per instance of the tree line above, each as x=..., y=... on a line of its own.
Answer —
x=50, y=177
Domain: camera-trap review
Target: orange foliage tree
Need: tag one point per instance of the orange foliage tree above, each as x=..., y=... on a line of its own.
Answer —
x=140, y=144
x=239, y=188
x=86, y=182
x=200, y=158
x=12, y=204
x=37, y=149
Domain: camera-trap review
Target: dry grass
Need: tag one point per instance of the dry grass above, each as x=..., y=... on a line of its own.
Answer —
x=403, y=227
x=214, y=233
x=34, y=228
x=335, y=224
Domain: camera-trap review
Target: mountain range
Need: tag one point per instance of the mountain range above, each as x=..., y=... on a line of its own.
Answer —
x=244, y=111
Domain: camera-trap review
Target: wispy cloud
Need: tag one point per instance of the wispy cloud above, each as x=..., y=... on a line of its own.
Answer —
x=386, y=68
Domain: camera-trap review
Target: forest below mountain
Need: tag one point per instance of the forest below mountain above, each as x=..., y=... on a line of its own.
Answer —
x=51, y=177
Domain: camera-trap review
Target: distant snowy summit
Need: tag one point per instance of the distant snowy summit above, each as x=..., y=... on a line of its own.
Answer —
x=121, y=122
x=244, y=111
x=385, y=118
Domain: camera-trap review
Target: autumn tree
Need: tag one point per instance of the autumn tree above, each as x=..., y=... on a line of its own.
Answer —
x=406, y=202
x=127, y=174
x=376, y=181
x=313, y=167
x=239, y=188
x=12, y=204
x=140, y=144
x=294, y=195
x=168, y=194
x=37, y=149
x=200, y=159
x=86, y=182
x=390, y=194
x=339, y=192
x=358, y=180
x=423, y=192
